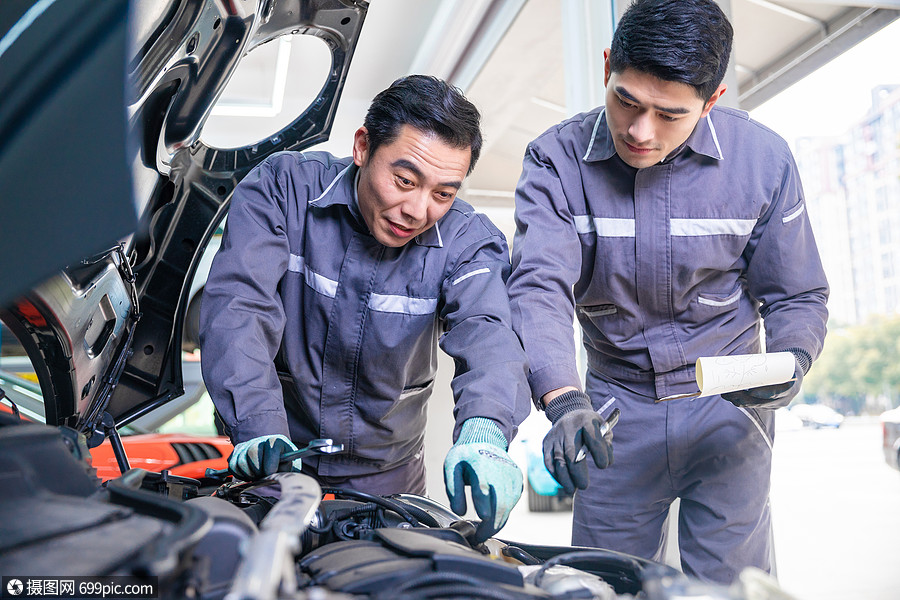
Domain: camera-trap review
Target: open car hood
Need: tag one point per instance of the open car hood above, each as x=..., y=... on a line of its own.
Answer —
x=118, y=110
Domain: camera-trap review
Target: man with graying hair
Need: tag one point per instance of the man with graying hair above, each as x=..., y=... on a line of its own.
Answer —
x=335, y=282
x=673, y=229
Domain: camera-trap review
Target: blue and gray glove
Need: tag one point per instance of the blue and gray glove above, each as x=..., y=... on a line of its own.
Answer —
x=479, y=460
x=576, y=426
x=770, y=397
x=261, y=457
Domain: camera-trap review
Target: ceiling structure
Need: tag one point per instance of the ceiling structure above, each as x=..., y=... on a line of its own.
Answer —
x=510, y=57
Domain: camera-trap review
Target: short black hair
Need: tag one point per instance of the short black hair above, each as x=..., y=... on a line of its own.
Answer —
x=430, y=105
x=688, y=41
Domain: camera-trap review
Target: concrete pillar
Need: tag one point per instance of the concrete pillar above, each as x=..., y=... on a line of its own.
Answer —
x=730, y=98
x=587, y=31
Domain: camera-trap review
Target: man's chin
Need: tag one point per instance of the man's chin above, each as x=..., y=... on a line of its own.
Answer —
x=638, y=160
x=393, y=241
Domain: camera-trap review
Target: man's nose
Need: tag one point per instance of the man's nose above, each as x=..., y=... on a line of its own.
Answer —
x=641, y=129
x=415, y=208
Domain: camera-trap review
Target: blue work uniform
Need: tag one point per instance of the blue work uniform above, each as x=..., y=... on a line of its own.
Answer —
x=663, y=265
x=313, y=329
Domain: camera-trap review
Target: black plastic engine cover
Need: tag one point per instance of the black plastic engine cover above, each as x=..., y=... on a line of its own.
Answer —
x=393, y=556
x=58, y=520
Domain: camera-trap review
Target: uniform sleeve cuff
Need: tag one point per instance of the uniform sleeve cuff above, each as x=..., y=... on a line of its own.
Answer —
x=265, y=423
x=552, y=378
x=802, y=357
x=569, y=401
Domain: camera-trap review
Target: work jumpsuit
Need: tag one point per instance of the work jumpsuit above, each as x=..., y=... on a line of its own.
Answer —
x=313, y=329
x=663, y=265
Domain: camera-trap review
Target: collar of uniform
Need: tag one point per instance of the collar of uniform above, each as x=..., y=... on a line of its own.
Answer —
x=703, y=140
x=601, y=146
x=341, y=190
x=431, y=237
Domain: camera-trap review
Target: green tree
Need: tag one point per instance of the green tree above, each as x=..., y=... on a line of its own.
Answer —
x=858, y=361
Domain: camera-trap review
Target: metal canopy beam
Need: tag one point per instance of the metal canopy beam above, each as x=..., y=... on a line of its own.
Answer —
x=462, y=36
x=841, y=34
x=860, y=3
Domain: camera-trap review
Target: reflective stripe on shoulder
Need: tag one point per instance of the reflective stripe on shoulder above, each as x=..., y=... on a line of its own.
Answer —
x=402, y=304
x=481, y=271
x=320, y=283
x=604, y=227
x=700, y=227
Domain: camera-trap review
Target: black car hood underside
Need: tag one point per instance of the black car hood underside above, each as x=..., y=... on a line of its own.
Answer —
x=122, y=354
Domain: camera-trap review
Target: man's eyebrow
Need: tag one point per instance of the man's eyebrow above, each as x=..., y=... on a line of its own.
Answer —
x=674, y=111
x=402, y=163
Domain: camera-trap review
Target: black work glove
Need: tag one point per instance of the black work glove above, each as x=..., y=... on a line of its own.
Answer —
x=770, y=397
x=576, y=425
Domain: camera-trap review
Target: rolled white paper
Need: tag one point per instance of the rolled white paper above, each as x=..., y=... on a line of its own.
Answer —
x=720, y=374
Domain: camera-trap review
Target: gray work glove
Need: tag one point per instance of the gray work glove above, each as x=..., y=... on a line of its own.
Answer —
x=576, y=425
x=479, y=460
x=260, y=457
x=770, y=397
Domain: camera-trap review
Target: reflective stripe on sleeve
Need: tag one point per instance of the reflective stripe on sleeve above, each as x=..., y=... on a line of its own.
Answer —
x=470, y=274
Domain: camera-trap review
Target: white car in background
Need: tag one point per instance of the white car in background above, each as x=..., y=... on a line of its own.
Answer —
x=817, y=415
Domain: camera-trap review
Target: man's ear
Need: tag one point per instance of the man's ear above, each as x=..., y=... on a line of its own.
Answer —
x=606, y=72
x=360, y=146
x=713, y=99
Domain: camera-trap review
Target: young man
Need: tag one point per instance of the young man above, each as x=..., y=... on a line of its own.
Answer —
x=335, y=281
x=672, y=228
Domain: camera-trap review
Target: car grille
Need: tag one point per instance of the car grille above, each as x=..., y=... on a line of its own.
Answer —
x=189, y=452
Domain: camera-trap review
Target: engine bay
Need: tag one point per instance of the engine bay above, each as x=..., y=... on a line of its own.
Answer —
x=287, y=537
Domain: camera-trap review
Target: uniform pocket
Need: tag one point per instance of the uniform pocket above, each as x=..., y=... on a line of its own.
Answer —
x=600, y=310
x=793, y=212
x=724, y=301
x=414, y=390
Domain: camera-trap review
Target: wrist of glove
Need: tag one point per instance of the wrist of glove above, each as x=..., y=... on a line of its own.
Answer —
x=262, y=456
x=576, y=428
x=479, y=460
x=771, y=397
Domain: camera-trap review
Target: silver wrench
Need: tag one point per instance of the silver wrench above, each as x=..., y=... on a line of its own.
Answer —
x=317, y=446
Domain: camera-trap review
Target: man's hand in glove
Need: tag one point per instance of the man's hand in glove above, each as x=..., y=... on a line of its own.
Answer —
x=260, y=457
x=770, y=397
x=479, y=460
x=576, y=425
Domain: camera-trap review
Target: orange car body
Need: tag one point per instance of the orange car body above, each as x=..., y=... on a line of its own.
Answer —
x=180, y=454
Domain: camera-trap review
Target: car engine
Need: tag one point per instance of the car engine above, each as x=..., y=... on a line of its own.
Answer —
x=287, y=538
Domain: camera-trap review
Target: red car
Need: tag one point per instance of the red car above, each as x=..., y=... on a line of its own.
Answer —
x=180, y=454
